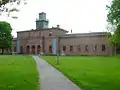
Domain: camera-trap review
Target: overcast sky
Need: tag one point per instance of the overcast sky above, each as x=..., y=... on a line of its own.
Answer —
x=78, y=15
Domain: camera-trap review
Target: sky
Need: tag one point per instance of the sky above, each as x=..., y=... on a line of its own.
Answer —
x=79, y=15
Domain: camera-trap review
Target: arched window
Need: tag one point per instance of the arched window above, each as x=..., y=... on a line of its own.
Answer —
x=28, y=49
x=38, y=49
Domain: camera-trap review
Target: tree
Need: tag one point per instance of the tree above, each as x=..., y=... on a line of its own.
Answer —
x=8, y=6
x=113, y=17
x=5, y=36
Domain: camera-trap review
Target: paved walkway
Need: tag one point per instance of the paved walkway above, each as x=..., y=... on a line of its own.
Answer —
x=51, y=79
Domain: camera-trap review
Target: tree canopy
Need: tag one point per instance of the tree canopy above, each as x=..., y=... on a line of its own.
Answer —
x=5, y=36
x=9, y=6
x=113, y=17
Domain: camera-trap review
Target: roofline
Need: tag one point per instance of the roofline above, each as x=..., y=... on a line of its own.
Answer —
x=83, y=34
x=42, y=30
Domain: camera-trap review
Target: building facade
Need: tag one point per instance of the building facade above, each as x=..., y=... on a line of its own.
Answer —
x=56, y=40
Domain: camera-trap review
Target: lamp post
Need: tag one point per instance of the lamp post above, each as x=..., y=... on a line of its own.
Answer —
x=58, y=51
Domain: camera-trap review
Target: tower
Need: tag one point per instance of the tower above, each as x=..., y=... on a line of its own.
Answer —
x=42, y=22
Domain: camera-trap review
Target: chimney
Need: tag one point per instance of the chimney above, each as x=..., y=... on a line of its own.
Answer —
x=58, y=26
x=71, y=30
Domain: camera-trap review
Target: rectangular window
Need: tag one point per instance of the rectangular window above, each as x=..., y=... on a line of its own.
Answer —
x=78, y=48
x=6, y=50
x=95, y=48
x=64, y=48
x=50, y=49
x=86, y=47
x=14, y=49
x=71, y=48
x=21, y=49
x=103, y=47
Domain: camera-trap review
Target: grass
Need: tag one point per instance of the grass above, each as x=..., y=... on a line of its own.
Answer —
x=90, y=72
x=18, y=73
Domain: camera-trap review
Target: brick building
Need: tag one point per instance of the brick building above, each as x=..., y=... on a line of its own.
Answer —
x=55, y=39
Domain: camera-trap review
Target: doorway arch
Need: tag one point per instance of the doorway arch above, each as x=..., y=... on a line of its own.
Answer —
x=38, y=49
x=33, y=49
x=28, y=49
x=50, y=49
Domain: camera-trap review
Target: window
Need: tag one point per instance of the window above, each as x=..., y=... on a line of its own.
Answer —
x=86, y=47
x=103, y=47
x=50, y=33
x=6, y=50
x=14, y=49
x=38, y=49
x=78, y=48
x=21, y=49
x=28, y=49
x=64, y=48
x=95, y=48
x=50, y=49
x=71, y=48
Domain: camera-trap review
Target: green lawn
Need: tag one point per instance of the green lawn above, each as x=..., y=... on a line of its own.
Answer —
x=90, y=72
x=18, y=73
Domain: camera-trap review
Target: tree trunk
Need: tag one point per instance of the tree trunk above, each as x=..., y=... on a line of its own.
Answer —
x=2, y=50
x=115, y=49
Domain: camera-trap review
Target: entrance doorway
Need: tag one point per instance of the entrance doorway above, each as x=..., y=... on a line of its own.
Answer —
x=33, y=49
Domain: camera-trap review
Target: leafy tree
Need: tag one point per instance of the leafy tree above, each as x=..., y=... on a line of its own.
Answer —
x=9, y=6
x=113, y=17
x=5, y=36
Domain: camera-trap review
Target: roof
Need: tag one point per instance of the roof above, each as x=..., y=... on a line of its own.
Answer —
x=83, y=34
x=43, y=30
